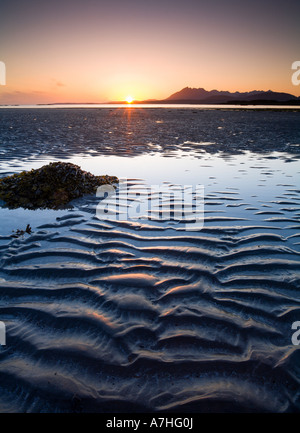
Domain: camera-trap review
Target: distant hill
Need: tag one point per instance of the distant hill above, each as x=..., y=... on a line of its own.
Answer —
x=190, y=95
x=202, y=96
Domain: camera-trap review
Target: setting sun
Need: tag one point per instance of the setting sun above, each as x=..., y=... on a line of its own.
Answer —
x=129, y=99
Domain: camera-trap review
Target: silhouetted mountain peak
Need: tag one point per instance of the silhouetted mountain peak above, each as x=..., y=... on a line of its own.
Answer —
x=215, y=96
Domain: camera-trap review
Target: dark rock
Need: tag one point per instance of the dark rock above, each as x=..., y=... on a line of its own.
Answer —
x=50, y=186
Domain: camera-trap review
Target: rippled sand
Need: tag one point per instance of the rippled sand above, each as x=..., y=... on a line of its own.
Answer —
x=145, y=315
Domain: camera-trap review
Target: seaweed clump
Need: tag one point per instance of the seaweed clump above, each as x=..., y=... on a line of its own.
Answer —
x=22, y=232
x=50, y=187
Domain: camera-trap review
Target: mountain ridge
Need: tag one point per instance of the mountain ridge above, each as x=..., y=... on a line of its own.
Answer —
x=189, y=95
x=216, y=96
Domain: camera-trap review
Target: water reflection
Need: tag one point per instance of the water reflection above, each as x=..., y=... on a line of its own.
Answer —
x=48, y=133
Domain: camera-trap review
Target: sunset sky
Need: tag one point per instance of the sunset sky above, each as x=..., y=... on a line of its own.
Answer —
x=104, y=50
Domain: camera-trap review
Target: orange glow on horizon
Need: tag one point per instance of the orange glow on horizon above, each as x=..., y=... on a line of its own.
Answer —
x=129, y=99
x=217, y=48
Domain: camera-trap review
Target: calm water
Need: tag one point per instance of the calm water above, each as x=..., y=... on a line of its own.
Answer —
x=147, y=315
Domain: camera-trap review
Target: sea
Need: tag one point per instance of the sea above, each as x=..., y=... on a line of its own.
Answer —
x=177, y=293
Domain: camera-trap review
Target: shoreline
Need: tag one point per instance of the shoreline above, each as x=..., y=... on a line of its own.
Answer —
x=221, y=106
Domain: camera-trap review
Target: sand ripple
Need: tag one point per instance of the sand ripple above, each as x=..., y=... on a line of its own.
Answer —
x=131, y=316
x=141, y=315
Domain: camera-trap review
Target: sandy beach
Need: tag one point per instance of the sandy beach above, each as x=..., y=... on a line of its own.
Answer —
x=143, y=315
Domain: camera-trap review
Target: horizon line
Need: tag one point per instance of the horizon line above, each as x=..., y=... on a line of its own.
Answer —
x=171, y=101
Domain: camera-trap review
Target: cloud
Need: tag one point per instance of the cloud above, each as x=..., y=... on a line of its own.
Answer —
x=58, y=83
x=20, y=97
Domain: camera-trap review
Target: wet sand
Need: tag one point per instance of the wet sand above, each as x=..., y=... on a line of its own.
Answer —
x=144, y=315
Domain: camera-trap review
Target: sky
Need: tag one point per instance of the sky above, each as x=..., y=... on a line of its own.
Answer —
x=104, y=50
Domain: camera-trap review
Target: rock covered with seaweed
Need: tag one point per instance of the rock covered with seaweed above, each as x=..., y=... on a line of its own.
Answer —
x=51, y=186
